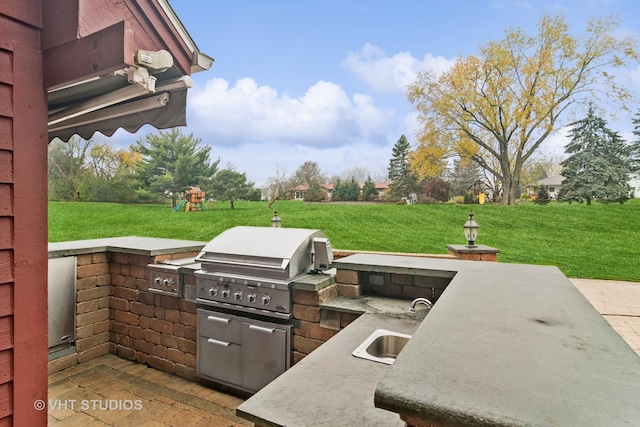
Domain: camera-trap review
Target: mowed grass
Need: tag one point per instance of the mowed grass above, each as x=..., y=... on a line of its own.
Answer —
x=598, y=241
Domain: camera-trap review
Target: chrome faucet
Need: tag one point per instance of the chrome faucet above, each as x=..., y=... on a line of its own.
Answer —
x=417, y=301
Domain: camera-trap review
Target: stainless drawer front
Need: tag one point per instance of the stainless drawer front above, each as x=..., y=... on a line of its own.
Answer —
x=219, y=326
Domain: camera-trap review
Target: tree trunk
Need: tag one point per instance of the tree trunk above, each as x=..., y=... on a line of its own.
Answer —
x=509, y=192
x=510, y=183
x=231, y=200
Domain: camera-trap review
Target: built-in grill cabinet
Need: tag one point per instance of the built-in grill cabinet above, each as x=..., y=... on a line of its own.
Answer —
x=244, y=353
x=243, y=292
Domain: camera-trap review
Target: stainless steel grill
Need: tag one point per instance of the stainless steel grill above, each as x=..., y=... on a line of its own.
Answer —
x=249, y=269
x=243, y=291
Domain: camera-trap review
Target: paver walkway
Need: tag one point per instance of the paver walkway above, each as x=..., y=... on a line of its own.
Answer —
x=619, y=304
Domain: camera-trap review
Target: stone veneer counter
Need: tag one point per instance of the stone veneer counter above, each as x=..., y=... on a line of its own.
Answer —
x=507, y=344
x=129, y=244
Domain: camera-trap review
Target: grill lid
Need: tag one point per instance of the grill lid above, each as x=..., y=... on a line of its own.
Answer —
x=281, y=253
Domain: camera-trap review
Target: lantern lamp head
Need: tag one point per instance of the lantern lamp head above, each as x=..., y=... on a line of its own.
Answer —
x=276, y=221
x=471, y=231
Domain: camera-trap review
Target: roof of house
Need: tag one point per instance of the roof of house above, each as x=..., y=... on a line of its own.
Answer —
x=552, y=180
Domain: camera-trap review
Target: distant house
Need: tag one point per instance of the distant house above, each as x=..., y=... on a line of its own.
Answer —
x=552, y=184
x=383, y=189
x=635, y=184
x=298, y=192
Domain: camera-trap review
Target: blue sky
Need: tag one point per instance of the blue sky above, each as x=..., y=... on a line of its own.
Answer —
x=324, y=80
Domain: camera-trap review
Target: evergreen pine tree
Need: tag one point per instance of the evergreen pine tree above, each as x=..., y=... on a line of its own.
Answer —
x=542, y=198
x=369, y=189
x=598, y=165
x=403, y=181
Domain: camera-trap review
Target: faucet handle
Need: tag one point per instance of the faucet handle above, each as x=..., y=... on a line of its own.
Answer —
x=412, y=307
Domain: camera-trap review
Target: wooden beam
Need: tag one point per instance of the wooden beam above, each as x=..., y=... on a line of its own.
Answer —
x=157, y=24
x=95, y=55
x=23, y=10
x=30, y=253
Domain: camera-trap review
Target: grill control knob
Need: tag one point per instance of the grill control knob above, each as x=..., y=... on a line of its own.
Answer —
x=213, y=292
x=166, y=282
x=238, y=296
x=266, y=300
x=226, y=293
x=251, y=297
x=158, y=281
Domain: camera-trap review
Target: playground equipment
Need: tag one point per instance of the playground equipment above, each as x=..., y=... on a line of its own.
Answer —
x=194, y=201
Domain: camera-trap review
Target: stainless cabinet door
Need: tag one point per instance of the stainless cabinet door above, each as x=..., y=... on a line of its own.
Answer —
x=62, y=300
x=265, y=353
x=219, y=360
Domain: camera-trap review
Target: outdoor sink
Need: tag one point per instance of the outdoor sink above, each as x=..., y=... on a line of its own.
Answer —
x=382, y=346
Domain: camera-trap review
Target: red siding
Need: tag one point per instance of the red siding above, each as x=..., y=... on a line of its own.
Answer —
x=23, y=216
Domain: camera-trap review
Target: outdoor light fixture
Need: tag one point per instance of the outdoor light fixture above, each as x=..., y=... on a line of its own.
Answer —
x=471, y=231
x=276, y=221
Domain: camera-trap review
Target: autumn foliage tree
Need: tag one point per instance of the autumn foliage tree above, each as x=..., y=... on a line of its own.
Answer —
x=498, y=107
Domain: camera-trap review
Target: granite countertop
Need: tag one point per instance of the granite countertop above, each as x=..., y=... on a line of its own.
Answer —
x=508, y=344
x=128, y=244
x=330, y=386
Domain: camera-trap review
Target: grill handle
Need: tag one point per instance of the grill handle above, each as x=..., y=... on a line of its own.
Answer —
x=261, y=329
x=218, y=319
x=219, y=343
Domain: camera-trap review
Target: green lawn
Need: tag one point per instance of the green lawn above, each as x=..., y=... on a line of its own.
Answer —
x=598, y=241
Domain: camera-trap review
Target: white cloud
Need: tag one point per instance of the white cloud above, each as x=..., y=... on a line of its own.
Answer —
x=248, y=113
x=391, y=74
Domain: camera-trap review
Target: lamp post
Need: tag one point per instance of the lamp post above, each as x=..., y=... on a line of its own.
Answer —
x=276, y=221
x=471, y=231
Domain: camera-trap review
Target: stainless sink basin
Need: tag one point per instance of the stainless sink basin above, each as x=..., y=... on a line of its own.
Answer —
x=382, y=346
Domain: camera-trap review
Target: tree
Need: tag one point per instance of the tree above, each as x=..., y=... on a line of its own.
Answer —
x=280, y=185
x=315, y=193
x=346, y=190
x=635, y=148
x=361, y=173
x=67, y=167
x=598, y=165
x=230, y=185
x=403, y=180
x=542, y=198
x=369, y=189
x=464, y=173
x=436, y=189
x=503, y=103
x=171, y=162
x=308, y=173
